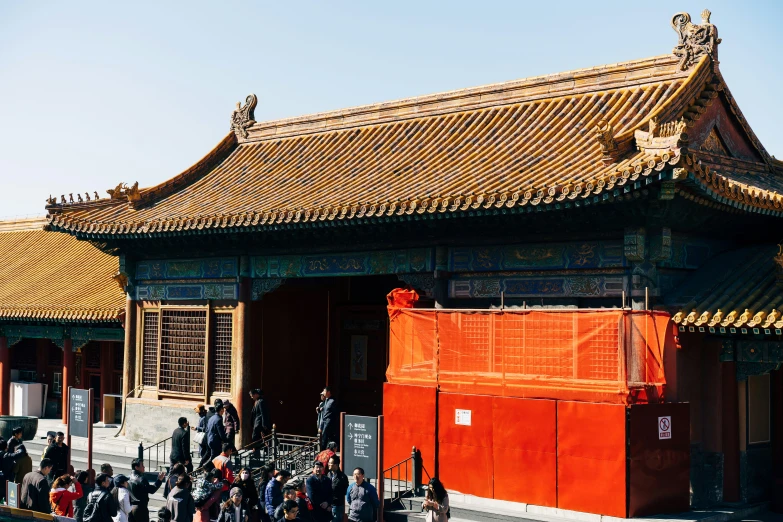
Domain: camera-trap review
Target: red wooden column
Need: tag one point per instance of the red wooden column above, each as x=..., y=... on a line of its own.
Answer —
x=241, y=363
x=5, y=377
x=69, y=374
x=107, y=360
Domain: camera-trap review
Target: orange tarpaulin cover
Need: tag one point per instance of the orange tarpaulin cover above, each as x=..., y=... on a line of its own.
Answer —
x=591, y=355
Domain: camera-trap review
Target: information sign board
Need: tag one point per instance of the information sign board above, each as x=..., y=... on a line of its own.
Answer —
x=79, y=413
x=360, y=445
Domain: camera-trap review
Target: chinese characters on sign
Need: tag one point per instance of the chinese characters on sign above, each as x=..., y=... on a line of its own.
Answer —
x=361, y=445
x=79, y=414
x=462, y=417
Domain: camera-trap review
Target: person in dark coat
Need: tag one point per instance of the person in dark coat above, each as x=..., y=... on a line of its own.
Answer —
x=362, y=498
x=3, y=480
x=230, y=421
x=35, y=489
x=306, y=509
x=175, y=472
x=233, y=510
x=216, y=431
x=140, y=491
x=330, y=418
x=83, y=478
x=259, y=416
x=204, y=416
x=273, y=494
x=106, y=506
x=339, y=488
x=180, y=445
x=180, y=501
x=57, y=452
x=244, y=481
x=319, y=490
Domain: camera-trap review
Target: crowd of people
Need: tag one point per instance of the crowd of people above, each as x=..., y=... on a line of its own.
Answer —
x=219, y=494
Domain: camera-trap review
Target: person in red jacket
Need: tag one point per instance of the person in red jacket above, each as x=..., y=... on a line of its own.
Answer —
x=61, y=498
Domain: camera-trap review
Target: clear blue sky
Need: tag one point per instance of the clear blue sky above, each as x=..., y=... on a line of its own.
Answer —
x=94, y=93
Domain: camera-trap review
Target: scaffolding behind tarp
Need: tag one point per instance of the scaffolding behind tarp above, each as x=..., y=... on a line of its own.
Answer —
x=611, y=355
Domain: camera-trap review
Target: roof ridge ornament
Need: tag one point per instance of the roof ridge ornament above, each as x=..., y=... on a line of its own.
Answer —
x=243, y=116
x=667, y=136
x=695, y=41
x=604, y=133
x=123, y=191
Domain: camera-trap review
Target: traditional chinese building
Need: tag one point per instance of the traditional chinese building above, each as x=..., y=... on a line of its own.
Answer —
x=60, y=316
x=635, y=184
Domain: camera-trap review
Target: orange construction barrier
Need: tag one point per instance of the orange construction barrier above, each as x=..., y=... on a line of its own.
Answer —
x=613, y=356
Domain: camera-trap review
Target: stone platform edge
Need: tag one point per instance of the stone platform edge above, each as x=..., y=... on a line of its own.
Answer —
x=503, y=507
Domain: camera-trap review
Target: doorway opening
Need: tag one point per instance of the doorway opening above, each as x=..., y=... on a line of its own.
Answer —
x=310, y=333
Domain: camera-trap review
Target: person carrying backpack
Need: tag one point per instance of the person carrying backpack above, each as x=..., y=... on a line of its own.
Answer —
x=206, y=496
x=101, y=506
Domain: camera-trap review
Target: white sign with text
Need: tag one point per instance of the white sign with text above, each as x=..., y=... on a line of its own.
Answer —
x=462, y=417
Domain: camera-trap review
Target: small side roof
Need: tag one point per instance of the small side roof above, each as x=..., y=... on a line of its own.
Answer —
x=740, y=288
x=49, y=277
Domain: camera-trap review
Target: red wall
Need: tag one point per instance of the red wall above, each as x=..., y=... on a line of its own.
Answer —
x=409, y=417
x=591, y=457
x=524, y=443
x=465, y=452
x=570, y=455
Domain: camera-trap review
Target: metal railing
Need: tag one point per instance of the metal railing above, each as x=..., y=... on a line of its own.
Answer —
x=255, y=454
x=295, y=453
x=156, y=454
x=403, y=479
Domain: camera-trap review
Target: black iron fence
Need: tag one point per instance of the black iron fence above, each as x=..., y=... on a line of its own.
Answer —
x=403, y=479
x=294, y=453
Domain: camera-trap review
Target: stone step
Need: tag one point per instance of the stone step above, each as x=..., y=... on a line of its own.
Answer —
x=476, y=509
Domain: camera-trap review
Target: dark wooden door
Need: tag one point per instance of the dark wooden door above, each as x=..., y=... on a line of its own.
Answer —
x=294, y=344
x=363, y=351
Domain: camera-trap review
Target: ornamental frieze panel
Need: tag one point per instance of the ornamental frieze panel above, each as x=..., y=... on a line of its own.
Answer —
x=344, y=264
x=187, y=291
x=513, y=287
x=172, y=269
x=544, y=256
x=59, y=334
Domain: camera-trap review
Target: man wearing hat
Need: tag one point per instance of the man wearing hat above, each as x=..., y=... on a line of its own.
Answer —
x=259, y=416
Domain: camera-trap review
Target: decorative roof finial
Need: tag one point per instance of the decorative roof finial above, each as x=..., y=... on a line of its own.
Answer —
x=243, y=117
x=694, y=41
x=604, y=133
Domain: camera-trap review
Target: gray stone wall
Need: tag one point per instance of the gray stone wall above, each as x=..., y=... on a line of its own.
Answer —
x=150, y=423
x=706, y=477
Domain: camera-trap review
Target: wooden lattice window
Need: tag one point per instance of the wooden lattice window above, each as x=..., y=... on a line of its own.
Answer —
x=149, y=376
x=183, y=343
x=221, y=354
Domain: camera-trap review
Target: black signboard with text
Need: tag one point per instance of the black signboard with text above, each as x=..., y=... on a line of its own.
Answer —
x=360, y=445
x=79, y=413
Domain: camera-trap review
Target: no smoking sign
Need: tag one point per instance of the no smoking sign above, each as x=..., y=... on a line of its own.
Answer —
x=664, y=428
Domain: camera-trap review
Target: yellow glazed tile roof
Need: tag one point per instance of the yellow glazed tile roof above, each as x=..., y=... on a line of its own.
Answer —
x=553, y=139
x=737, y=289
x=46, y=276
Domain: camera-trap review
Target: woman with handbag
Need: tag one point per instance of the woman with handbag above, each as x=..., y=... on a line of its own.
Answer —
x=436, y=502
